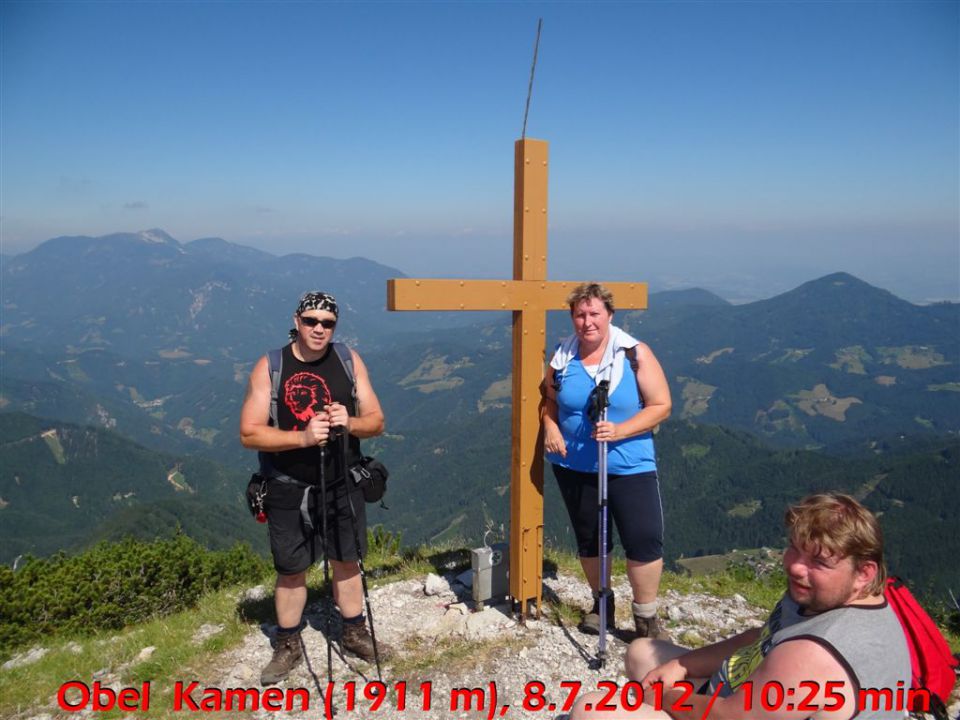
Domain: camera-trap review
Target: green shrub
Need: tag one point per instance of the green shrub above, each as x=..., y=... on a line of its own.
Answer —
x=382, y=544
x=113, y=585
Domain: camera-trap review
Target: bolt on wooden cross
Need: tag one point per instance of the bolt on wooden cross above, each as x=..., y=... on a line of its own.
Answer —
x=529, y=295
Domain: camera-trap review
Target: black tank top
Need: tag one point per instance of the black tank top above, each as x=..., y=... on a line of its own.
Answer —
x=305, y=387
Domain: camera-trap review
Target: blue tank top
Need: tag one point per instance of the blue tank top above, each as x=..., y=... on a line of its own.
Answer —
x=624, y=457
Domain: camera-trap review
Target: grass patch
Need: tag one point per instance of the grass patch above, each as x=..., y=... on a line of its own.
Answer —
x=912, y=357
x=52, y=440
x=696, y=397
x=732, y=574
x=851, y=359
x=694, y=450
x=560, y=612
x=113, y=657
x=386, y=563
x=452, y=655
x=745, y=510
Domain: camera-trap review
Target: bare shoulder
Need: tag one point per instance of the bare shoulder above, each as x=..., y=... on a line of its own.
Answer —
x=357, y=360
x=641, y=350
x=803, y=661
x=260, y=371
x=258, y=393
x=640, y=353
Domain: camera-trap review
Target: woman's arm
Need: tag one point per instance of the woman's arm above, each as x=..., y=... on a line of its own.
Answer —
x=655, y=393
x=552, y=437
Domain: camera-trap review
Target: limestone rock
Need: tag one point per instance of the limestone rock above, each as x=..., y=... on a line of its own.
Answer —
x=435, y=585
x=206, y=631
x=25, y=658
x=255, y=594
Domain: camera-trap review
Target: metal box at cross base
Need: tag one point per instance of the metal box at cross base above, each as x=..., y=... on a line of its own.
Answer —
x=491, y=572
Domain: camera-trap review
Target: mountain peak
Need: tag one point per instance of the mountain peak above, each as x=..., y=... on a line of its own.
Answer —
x=689, y=296
x=156, y=235
x=841, y=287
x=224, y=251
x=842, y=279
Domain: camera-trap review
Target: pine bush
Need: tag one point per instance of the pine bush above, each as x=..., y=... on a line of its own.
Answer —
x=113, y=585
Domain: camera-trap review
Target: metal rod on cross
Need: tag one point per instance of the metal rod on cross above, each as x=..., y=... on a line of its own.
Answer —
x=533, y=69
x=529, y=295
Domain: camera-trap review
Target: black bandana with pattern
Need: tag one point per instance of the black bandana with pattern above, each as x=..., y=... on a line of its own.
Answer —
x=316, y=301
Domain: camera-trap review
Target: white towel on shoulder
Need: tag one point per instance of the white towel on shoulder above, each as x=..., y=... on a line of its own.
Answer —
x=611, y=364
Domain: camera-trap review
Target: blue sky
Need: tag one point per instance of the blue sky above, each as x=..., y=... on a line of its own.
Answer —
x=740, y=146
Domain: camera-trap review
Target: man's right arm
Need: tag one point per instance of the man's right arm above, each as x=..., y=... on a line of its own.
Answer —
x=255, y=430
x=700, y=663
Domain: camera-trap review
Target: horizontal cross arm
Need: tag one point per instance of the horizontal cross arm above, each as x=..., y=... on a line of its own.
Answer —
x=432, y=294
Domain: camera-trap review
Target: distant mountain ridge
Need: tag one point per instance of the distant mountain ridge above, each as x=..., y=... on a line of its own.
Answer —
x=833, y=359
x=144, y=327
x=697, y=297
x=157, y=296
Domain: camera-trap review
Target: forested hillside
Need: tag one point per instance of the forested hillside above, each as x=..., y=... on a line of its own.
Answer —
x=63, y=487
x=836, y=384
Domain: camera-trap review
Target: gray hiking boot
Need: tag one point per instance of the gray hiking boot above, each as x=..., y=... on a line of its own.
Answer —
x=287, y=654
x=357, y=641
x=590, y=624
x=650, y=628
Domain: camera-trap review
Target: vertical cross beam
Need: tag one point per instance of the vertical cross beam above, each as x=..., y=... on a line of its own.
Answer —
x=529, y=335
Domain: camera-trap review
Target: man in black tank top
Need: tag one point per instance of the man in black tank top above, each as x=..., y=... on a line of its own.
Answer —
x=315, y=402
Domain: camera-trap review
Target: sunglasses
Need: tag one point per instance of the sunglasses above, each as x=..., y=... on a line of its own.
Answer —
x=322, y=322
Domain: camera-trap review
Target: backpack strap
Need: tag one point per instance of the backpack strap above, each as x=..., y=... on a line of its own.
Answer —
x=346, y=359
x=275, y=367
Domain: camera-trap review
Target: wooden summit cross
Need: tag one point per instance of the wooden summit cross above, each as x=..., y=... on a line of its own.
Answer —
x=529, y=295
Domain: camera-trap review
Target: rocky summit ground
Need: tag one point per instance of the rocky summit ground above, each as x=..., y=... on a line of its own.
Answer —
x=451, y=657
x=446, y=645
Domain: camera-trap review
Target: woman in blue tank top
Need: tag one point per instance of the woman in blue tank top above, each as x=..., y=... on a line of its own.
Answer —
x=639, y=399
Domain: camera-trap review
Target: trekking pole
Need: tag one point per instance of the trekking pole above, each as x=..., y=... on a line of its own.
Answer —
x=601, y=400
x=344, y=439
x=326, y=563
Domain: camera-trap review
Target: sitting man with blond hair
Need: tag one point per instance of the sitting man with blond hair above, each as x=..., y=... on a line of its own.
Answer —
x=829, y=649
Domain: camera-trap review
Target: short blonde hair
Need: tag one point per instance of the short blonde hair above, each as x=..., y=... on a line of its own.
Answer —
x=589, y=291
x=838, y=525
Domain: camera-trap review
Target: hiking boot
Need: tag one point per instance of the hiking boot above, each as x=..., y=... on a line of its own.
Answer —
x=650, y=628
x=356, y=640
x=287, y=654
x=590, y=624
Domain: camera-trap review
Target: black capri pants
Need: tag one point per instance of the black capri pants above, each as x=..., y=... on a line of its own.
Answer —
x=633, y=503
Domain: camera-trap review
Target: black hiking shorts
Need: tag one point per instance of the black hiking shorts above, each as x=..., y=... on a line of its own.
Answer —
x=634, y=506
x=296, y=545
